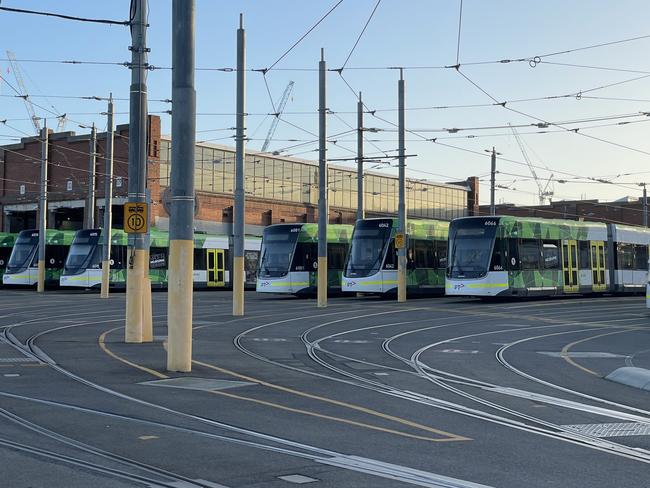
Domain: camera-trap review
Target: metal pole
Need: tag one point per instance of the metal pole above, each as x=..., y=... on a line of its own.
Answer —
x=135, y=273
x=239, y=210
x=42, y=211
x=493, y=172
x=92, y=164
x=360, y=210
x=401, y=207
x=323, y=210
x=108, y=202
x=645, y=207
x=181, y=222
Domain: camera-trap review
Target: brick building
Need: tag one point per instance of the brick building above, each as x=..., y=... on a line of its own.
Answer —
x=624, y=211
x=278, y=189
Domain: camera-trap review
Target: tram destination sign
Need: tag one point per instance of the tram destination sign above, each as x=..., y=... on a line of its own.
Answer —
x=135, y=218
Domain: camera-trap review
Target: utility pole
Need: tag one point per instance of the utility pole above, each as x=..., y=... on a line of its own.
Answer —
x=92, y=162
x=493, y=172
x=323, y=211
x=645, y=206
x=239, y=210
x=401, y=206
x=108, y=202
x=181, y=222
x=42, y=211
x=360, y=210
x=136, y=266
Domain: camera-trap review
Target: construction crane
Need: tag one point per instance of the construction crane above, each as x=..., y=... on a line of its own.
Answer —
x=544, y=191
x=276, y=119
x=23, y=91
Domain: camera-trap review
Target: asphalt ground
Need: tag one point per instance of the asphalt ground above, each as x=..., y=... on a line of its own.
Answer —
x=435, y=392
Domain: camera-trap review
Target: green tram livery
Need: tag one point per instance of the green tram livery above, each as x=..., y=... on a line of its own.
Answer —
x=289, y=258
x=22, y=267
x=511, y=256
x=371, y=266
x=211, y=260
x=7, y=241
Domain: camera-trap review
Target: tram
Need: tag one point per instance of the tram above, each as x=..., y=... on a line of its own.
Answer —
x=289, y=258
x=6, y=245
x=22, y=267
x=512, y=256
x=211, y=260
x=371, y=266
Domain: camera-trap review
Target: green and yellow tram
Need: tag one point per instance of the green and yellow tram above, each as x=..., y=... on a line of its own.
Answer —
x=7, y=241
x=22, y=267
x=371, y=266
x=211, y=260
x=289, y=258
x=514, y=256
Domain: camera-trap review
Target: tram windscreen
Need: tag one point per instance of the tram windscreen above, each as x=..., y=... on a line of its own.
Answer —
x=23, y=252
x=278, y=245
x=470, y=247
x=82, y=251
x=367, y=249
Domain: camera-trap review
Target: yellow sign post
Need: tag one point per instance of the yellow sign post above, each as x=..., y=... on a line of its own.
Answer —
x=399, y=241
x=135, y=218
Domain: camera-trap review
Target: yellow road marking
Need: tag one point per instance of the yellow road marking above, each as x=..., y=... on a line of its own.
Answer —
x=448, y=437
x=102, y=345
x=565, y=351
x=332, y=401
x=337, y=419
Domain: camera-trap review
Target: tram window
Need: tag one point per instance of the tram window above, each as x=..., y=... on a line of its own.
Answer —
x=497, y=256
x=641, y=257
x=158, y=257
x=336, y=256
x=305, y=257
x=529, y=253
x=55, y=256
x=441, y=254
x=512, y=254
x=584, y=260
x=423, y=254
x=391, y=256
x=200, y=259
x=551, y=255
x=625, y=256
x=118, y=255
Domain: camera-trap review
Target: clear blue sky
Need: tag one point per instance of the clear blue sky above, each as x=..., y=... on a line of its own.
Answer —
x=401, y=33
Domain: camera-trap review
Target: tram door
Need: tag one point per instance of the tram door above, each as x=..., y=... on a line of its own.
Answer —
x=570, y=266
x=216, y=269
x=598, y=265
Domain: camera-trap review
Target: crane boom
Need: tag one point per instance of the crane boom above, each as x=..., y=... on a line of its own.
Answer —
x=23, y=91
x=276, y=119
x=542, y=191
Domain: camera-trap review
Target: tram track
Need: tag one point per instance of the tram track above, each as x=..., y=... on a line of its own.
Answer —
x=547, y=429
x=263, y=441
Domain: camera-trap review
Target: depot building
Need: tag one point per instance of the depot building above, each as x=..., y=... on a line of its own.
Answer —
x=278, y=189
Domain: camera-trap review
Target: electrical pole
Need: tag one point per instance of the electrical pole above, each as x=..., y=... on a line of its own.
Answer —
x=92, y=162
x=401, y=207
x=108, y=202
x=239, y=210
x=181, y=222
x=493, y=172
x=360, y=210
x=645, y=206
x=42, y=211
x=323, y=211
x=136, y=266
